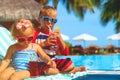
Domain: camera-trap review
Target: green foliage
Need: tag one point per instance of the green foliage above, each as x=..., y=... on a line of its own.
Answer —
x=78, y=7
x=111, y=11
x=69, y=44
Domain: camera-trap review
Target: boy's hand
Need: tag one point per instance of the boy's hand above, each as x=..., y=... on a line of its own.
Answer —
x=51, y=40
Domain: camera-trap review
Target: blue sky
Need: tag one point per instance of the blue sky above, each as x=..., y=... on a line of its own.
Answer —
x=72, y=26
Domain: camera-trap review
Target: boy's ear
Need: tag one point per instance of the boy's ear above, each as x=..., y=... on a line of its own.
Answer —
x=38, y=19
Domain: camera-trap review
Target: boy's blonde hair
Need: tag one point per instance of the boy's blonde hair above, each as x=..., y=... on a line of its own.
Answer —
x=22, y=27
x=47, y=10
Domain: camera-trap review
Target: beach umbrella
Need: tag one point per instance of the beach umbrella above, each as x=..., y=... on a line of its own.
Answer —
x=64, y=37
x=84, y=37
x=115, y=37
x=11, y=10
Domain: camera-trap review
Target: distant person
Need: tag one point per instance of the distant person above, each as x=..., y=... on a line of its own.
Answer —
x=21, y=53
x=52, y=42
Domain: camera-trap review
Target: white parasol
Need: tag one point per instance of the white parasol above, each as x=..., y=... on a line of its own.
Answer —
x=65, y=37
x=84, y=37
x=115, y=37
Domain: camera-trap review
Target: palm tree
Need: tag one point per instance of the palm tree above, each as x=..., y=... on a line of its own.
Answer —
x=111, y=12
x=79, y=7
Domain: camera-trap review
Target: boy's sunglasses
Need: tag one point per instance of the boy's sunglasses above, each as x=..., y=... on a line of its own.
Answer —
x=46, y=19
x=23, y=39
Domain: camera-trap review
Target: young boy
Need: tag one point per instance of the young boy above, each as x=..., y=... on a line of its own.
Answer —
x=52, y=42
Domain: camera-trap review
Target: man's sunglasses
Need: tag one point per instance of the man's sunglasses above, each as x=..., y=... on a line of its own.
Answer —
x=46, y=19
x=23, y=39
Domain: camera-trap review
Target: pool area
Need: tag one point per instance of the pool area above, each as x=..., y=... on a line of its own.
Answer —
x=102, y=77
x=100, y=67
x=97, y=62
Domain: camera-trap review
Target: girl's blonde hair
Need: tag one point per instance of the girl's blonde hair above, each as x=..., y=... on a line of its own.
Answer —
x=22, y=27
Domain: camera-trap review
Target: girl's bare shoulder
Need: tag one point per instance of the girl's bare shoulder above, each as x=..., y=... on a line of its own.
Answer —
x=11, y=50
x=12, y=47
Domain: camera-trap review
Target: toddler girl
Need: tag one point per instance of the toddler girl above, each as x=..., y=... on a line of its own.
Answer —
x=22, y=53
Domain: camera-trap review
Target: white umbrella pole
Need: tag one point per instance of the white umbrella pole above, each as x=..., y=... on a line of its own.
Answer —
x=118, y=43
x=84, y=44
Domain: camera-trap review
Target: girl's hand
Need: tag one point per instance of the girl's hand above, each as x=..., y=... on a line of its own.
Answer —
x=52, y=63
